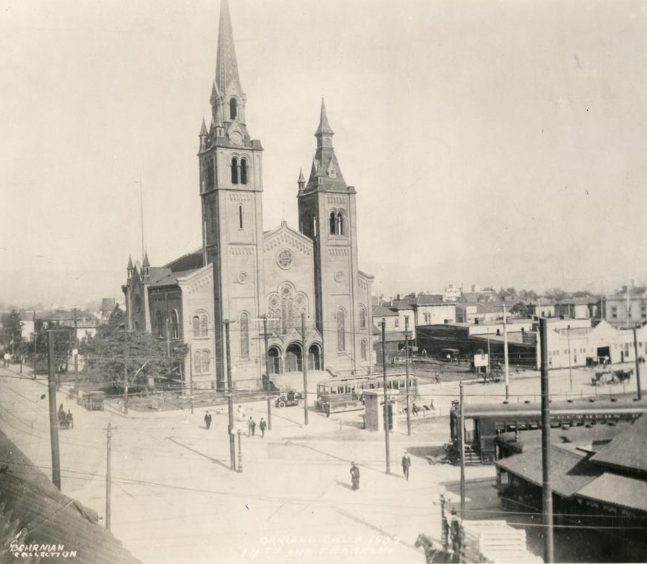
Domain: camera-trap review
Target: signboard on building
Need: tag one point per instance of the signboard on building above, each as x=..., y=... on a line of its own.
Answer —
x=481, y=360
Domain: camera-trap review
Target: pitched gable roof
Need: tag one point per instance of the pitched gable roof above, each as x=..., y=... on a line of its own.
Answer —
x=628, y=450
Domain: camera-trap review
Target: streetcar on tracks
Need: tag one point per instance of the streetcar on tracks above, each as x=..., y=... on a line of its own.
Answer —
x=347, y=393
x=483, y=422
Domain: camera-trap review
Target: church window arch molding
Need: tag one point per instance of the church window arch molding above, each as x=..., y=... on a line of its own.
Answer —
x=175, y=324
x=362, y=317
x=234, y=170
x=244, y=169
x=200, y=324
x=364, y=349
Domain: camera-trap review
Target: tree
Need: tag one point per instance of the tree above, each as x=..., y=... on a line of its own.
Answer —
x=521, y=310
x=12, y=331
x=38, y=349
x=556, y=294
x=142, y=355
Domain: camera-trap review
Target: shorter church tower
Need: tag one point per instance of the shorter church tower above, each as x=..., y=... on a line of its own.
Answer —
x=327, y=215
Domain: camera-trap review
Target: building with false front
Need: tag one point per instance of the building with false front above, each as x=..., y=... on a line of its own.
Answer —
x=243, y=273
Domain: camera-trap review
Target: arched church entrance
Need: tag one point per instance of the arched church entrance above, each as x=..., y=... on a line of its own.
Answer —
x=294, y=358
x=275, y=360
x=314, y=357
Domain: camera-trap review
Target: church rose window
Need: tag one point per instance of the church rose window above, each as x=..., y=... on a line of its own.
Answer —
x=341, y=330
x=285, y=259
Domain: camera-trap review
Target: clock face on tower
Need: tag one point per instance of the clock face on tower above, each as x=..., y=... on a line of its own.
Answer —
x=327, y=141
x=236, y=138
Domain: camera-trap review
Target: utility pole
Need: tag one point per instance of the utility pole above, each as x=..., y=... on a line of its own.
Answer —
x=240, y=452
x=266, y=337
x=304, y=363
x=126, y=355
x=35, y=347
x=505, y=354
x=637, y=364
x=191, y=378
x=461, y=447
x=76, y=347
x=547, y=493
x=406, y=364
x=488, y=350
x=386, y=404
x=230, y=401
x=53, y=420
x=108, y=474
x=570, y=370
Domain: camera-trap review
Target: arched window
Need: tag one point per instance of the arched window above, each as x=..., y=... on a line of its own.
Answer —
x=314, y=226
x=240, y=217
x=340, y=224
x=160, y=324
x=341, y=330
x=206, y=359
x=233, y=109
x=175, y=325
x=234, y=170
x=196, y=326
x=197, y=362
x=362, y=317
x=204, y=326
x=333, y=223
x=244, y=335
x=243, y=171
x=364, y=350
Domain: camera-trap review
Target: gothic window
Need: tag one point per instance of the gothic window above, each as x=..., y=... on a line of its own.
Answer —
x=204, y=326
x=340, y=224
x=160, y=324
x=175, y=325
x=362, y=317
x=196, y=326
x=341, y=330
x=210, y=174
x=243, y=171
x=234, y=170
x=233, y=109
x=240, y=217
x=197, y=362
x=364, y=350
x=244, y=335
x=206, y=357
x=333, y=223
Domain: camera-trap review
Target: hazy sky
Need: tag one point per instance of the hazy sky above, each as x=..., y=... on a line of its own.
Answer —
x=490, y=142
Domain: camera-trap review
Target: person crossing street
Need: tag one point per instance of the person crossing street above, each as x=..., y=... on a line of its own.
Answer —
x=354, y=475
x=262, y=426
x=406, y=465
x=207, y=420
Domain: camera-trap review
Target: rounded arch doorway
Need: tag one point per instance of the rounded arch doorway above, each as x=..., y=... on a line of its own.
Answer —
x=294, y=358
x=314, y=357
x=274, y=355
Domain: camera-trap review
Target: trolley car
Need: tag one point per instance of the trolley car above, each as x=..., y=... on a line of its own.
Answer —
x=483, y=422
x=347, y=394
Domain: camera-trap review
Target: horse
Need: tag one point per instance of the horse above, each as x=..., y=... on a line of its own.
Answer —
x=433, y=550
x=622, y=375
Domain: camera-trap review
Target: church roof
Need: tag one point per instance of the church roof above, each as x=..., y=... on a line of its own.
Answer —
x=163, y=276
x=226, y=64
x=324, y=126
x=187, y=262
x=285, y=228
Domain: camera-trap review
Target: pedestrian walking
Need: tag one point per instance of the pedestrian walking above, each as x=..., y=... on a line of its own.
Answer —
x=262, y=425
x=250, y=424
x=406, y=465
x=253, y=427
x=207, y=420
x=70, y=419
x=354, y=475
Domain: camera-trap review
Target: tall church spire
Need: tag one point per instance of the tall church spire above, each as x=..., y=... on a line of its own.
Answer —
x=324, y=126
x=325, y=173
x=226, y=64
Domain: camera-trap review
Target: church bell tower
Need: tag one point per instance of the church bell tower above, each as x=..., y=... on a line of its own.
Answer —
x=327, y=215
x=231, y=188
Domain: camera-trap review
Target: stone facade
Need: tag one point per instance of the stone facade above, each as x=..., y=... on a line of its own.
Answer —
x=242, y=275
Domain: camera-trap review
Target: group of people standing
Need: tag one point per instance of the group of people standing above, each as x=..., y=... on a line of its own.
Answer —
x=65, y=420
x=251, y=424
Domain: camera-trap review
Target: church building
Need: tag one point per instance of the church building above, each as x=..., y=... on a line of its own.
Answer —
x=243, y=279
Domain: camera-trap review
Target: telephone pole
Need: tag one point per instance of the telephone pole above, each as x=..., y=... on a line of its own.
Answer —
x=230, y=400
x=108, y=473
x=637, y=364
x=191, y=378
x=76, y=347
x=570, y=370
x=505, y=354
x=461, y=446
x=406, y=365
x=547, y=493
x=53, y=420
x=304, y=363
x=126, y=355
x=386, y=401
x=268, y=387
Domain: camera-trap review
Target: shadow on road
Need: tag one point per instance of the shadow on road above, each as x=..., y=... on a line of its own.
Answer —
x=214, y=460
